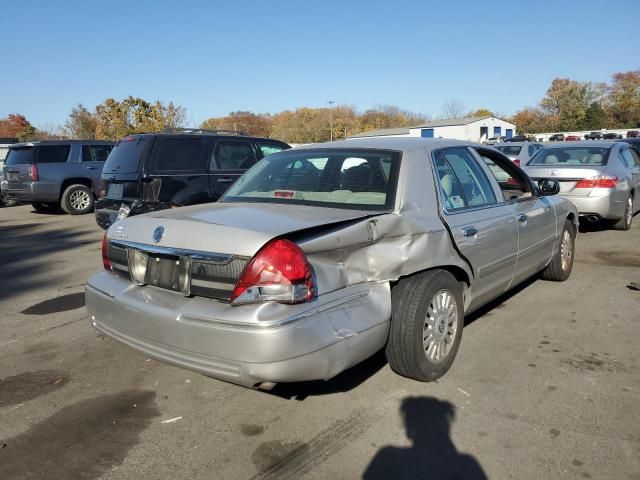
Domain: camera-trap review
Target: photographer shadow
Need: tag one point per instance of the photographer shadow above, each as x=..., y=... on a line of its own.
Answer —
x=432, y=455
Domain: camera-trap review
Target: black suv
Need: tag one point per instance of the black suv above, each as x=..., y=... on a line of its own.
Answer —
x=154, y=171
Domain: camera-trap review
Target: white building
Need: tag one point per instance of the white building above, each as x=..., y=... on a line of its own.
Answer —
x=473, y=129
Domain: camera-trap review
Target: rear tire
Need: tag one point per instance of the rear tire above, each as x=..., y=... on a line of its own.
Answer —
x=562, y=262
x=77, y=200
x=625, y=222
x=427, y=318
x=42, y=207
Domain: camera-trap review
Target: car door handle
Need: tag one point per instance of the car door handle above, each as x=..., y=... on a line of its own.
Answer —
x=522, y=218
x=470, y=232
x=91, y=168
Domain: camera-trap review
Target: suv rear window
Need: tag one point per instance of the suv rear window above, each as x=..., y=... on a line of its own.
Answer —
x=125, y=157
x=356, y=179
x=510, y=150
x=20, y=156
x=571, y=157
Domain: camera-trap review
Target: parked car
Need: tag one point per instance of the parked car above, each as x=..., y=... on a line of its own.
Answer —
x=572, y=138
x=633, y=142
x=155, y=171
x=519, y=152
x=494, y=140
x=612, y=136
x=601, y=177
x=51, y=174
x=518, y=138
x=557, y=137
x=320, y=256
x=633, y=134
x=593, y=136
x=4, y=150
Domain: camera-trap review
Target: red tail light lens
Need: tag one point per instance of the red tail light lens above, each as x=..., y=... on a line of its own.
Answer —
x=598, y=182
x=279, y=272
x=33, y=172
x=517, y=161
x=105, y=253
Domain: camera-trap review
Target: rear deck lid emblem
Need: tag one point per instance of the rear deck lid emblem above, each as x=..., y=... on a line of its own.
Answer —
x=158, y=233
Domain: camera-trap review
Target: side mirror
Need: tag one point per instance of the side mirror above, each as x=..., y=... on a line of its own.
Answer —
x=549, y=187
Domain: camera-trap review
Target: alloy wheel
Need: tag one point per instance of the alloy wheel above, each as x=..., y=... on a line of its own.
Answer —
x=440, y=326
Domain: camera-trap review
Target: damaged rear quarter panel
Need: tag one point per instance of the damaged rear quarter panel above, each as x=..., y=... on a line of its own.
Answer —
x=386, y=247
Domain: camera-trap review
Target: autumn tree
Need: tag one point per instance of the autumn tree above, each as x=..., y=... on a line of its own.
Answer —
x=248, y=122
x=16, y=126
x=566, y=103
x=623, y=99
x=530, y=120
x=452, y=109
x=82, y=123
x=481, y=112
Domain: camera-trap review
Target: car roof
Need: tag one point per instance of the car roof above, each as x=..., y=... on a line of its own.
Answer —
x=203, y=133
x=406, y=144
x=59, y=142
x=515, y=144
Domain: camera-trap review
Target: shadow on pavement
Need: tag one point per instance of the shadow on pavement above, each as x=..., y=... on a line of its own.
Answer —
x=432, y=454
x=28, y=252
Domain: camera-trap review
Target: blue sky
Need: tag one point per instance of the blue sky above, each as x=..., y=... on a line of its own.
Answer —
x=267, y=56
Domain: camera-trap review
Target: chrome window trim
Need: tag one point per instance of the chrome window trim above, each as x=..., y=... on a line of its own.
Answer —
x=217, y=258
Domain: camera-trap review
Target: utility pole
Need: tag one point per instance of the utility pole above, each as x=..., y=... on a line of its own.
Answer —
x=331, y=102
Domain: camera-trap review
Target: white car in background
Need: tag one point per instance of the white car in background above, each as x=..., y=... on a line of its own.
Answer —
x=519, y=152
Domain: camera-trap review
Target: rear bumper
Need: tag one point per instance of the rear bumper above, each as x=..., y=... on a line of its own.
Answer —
x=606, y=206
x=248, y=344
x=32, y=192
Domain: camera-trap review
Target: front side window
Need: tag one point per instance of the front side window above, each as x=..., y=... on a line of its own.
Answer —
x=234, y=155
x=346, y=178
x=95, y=153
x=571, y=156
x=463, y=183
x=53, y=153
x=180, y=154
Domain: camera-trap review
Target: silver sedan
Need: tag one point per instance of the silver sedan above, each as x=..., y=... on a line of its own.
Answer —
x=519, y=152
x=601, y=177
x=320, y=256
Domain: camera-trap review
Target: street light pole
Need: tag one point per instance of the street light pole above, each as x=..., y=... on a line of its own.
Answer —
x=331, y=102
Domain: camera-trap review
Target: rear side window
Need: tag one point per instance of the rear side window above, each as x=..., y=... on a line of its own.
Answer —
x=510, y=150
x=462, y=180
x=53, y=153
x=125, y=156
x=20, y=156
x=95, y=153
x=232, y=156
x=178, y=155
x=627, y=158
x=267, y=148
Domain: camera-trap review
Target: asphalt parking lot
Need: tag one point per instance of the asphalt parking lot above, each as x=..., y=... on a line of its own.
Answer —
x=546, y=385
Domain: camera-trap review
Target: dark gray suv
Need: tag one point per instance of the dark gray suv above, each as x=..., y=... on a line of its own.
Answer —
x=54, y=174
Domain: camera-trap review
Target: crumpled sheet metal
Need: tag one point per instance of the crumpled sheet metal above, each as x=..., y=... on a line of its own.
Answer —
x=380, y=249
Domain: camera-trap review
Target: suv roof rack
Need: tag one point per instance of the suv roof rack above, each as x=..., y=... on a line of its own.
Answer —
x=203, y=130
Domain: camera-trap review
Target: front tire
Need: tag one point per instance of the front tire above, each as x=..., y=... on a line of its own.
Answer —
x=562, y=262
x=427, y=318
x=625, y=222
x=77, y=200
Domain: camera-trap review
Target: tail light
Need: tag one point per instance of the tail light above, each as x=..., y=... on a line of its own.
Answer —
x=517, y=161
x=279, y=272
x=106, y=262
x=102, y=189
x=33, y=172
x=598, y=182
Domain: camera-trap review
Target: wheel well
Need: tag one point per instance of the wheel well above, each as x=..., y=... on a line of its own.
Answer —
x=74, y=181
x=459, y=274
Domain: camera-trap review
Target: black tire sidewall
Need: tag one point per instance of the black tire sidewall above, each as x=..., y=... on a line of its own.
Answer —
x=66, y=200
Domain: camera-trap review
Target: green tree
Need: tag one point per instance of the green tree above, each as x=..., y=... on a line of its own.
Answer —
x=594, y=118
x=566, y=103
x=481, y=112
x=81, y=123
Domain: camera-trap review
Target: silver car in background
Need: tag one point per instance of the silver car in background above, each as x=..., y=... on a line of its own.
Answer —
x=320, y=256
x=602, y=178
x=519, y=152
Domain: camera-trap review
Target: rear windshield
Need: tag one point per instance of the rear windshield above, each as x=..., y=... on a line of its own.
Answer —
x=571, y=156
x=355, y=179
x=125, y=157
x=19, y=156
x=510, y=150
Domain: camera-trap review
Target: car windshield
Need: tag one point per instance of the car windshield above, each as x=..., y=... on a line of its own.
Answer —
x=510, y=150
x=347, y=178
x=125, y=157
x=571, y=156
x=19, y=156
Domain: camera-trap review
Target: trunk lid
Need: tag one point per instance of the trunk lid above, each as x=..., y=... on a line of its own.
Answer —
x=567, y=177
x=17, y=167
